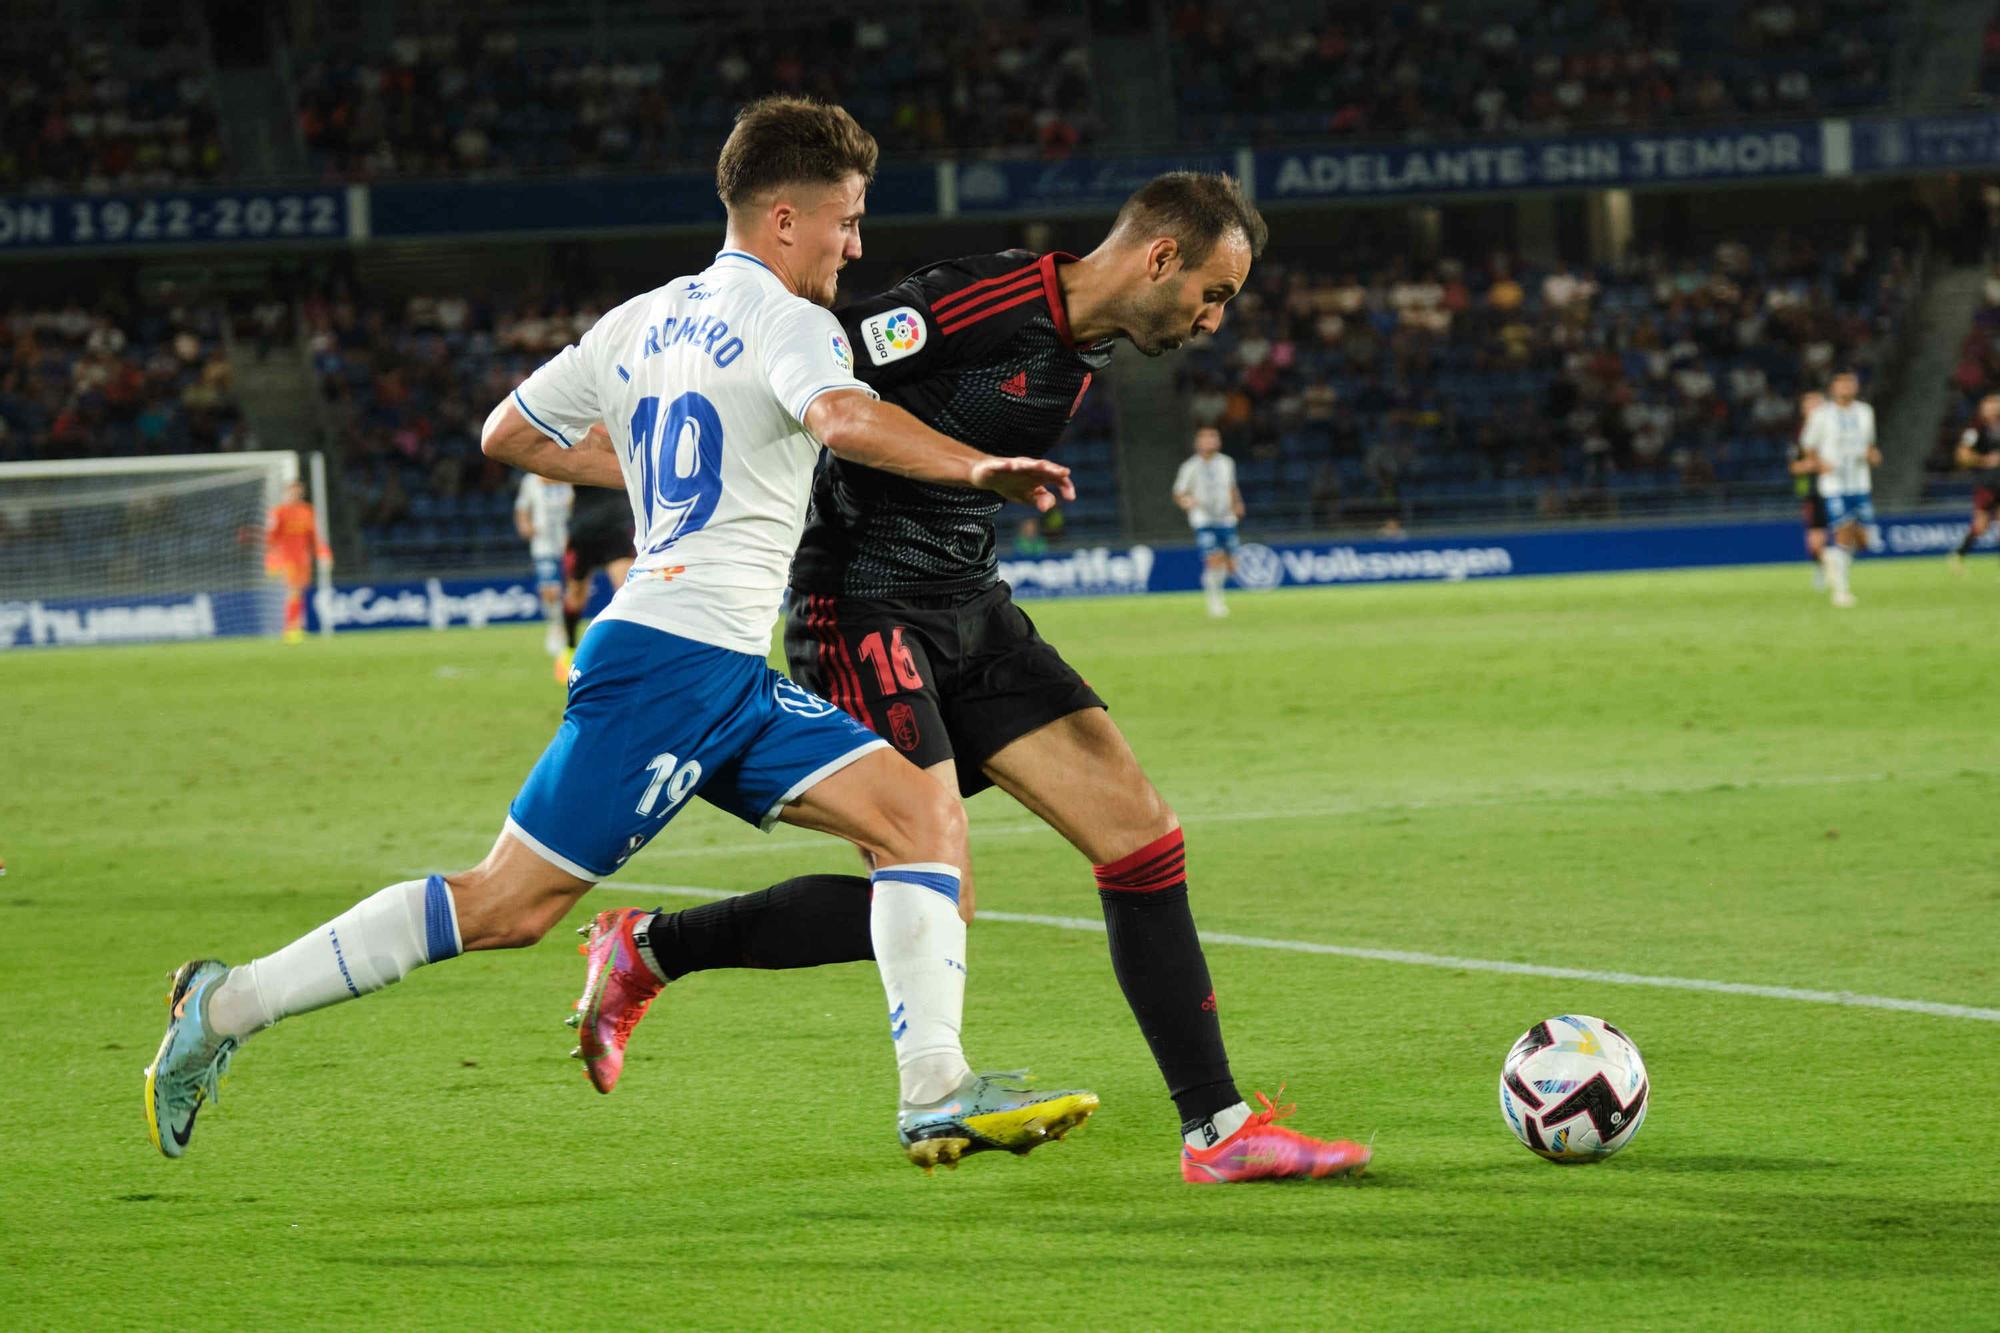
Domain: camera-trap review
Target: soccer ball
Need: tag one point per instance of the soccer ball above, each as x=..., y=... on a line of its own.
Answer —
x=1574, y=1089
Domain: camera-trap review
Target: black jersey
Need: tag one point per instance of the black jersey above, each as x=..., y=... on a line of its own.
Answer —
x=980, y=350
x=1984, y=439
x=601, y=511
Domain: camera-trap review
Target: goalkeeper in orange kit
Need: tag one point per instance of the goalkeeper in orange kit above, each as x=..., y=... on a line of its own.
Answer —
x=291, y=543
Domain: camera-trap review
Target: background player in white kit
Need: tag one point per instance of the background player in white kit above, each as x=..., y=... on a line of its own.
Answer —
x=541, y=516
x=1206, y=489
x=718, y=391
x=1840, y=440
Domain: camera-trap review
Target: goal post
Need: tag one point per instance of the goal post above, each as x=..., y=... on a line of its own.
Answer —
x=121, y=550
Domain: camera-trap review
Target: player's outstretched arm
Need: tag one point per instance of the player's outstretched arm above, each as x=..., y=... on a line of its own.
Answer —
x=514, y=440
x=881, y=435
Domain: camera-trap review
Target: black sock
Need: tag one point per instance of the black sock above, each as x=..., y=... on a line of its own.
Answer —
x=805, y=922
x=1161, y=968
x=1966, y=545
x=570, y=619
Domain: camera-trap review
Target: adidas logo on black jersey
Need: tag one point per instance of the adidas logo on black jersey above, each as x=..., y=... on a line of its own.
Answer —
x=1016, y=386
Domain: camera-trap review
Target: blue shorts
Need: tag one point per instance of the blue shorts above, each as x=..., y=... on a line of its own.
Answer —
x=1220, y=537
x=548, y=571
x=1850, y=508
x=654, y=719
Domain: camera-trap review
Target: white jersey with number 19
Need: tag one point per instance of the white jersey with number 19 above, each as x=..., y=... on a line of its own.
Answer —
x=703, y=385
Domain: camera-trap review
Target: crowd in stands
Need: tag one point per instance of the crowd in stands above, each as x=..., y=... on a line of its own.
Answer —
x=1492, y=387
x=89, y=381
x=955, y=78
x=1269, y=69
x=936, y=79
x=1977, y=372
x=74, y=118
x=406, y=387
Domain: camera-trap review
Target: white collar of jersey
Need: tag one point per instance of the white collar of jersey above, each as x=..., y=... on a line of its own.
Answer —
x=742, y=259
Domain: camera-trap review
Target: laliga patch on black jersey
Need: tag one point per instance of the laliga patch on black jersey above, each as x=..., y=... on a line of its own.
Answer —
x=894, y=334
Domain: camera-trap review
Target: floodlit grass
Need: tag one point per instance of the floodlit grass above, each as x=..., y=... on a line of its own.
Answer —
x=1697, y=775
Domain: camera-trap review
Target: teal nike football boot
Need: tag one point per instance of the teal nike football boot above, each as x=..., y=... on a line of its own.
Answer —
x=984, y=1113
x=192, y=1059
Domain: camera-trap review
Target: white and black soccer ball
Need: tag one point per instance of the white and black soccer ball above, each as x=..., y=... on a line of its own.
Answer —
x=1574, y=1089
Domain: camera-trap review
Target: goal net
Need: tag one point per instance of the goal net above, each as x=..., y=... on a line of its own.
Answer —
x=121, y=550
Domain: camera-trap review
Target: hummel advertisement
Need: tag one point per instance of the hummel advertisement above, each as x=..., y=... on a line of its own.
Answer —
x=82, y=622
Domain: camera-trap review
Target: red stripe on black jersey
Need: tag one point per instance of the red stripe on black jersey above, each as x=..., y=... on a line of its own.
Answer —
x=1052, y=287
x=939, y=306
x=1033, y=293
x=840, y=669
x=998, y=298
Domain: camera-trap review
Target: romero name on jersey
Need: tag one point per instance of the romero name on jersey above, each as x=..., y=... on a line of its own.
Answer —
x=703, y=385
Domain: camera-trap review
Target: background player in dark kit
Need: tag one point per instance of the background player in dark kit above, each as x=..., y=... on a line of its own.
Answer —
x=897, y=614
x=1979, y=452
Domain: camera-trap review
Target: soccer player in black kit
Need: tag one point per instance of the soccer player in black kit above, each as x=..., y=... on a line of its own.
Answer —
x=1979, y=453
x=898, y=615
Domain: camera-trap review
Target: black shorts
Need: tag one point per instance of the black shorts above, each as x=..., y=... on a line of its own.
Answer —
x=1813, y=511
x=940, y=678
x=592, y=549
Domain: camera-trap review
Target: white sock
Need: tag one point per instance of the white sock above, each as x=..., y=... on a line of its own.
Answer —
x=920, y=950
x=1835, y=561
x=375, y=943
x=1217, y=1127
x=1212, y=582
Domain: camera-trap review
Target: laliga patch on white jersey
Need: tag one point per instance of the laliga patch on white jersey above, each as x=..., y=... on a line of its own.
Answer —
x=894, y=334
x=843, y=355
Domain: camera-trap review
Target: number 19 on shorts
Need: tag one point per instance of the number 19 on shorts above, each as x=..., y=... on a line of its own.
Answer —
x=673, y=778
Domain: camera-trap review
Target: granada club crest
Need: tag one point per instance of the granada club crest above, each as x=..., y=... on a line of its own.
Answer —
x=903, y=727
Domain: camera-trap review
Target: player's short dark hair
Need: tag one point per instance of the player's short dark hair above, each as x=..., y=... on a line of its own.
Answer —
x=781, y=141
x=1198, y=209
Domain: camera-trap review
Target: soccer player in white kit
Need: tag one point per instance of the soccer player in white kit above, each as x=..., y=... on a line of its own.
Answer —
x=1839, y=439
x=541, y=516
x=1206, y=489
x=718, y=391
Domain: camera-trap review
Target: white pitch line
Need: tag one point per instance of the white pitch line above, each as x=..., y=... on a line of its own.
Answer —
x=1845, y=998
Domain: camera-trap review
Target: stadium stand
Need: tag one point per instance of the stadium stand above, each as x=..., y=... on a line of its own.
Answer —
x=1976, y=374
x=1389, y=393
x=81, y=381
x=1267, y=70
x=1475, y=389
x=482, y=101
x=77, y=117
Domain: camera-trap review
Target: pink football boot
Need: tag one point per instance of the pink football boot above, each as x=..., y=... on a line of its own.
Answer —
x=618, y=985
x=1262, y=1149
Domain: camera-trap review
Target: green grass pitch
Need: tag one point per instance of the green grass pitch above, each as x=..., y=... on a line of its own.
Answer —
x=1703, y=775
